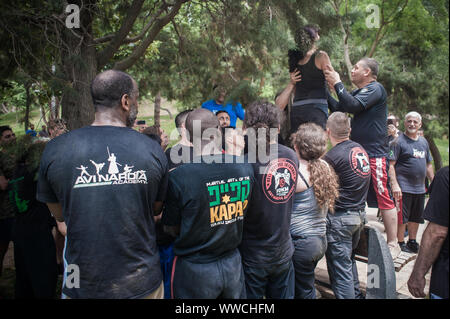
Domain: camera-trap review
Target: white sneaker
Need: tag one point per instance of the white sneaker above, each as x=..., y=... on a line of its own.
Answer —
x=395, y=250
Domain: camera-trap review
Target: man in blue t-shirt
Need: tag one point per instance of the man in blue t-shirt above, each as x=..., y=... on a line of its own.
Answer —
x=234, y=109
x=31, y=131
x=409, y=164
x=368, y=104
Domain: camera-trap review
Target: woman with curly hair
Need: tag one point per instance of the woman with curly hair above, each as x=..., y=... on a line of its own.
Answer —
x=307, y=81
x=316, y=192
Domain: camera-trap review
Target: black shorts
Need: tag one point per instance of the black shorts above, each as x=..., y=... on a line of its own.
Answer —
x=412, y=207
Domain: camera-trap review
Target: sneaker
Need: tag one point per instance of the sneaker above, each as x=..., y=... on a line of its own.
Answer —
x=413, y=246
x=395, y=250
x=404, y=248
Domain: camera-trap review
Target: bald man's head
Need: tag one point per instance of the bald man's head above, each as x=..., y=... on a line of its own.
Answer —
x=200, y=120
x=109, y=86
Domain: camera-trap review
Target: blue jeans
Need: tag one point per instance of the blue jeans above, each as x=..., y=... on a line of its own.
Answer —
x=223, y=278
x=343, y=232
x=272, y=281
x=308, y=251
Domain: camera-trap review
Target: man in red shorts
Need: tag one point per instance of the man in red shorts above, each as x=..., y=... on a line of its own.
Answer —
x=368, y=103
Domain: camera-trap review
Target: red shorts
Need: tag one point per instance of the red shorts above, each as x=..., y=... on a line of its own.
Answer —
x=380, y=187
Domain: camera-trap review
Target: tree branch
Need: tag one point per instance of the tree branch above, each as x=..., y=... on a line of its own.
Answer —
x=155, y=29
x=107, y=53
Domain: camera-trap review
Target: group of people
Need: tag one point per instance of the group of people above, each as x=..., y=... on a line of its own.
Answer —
x=38, y=245
x=226, y=215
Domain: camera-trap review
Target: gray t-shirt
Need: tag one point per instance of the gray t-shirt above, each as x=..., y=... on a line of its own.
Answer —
x=411, y=159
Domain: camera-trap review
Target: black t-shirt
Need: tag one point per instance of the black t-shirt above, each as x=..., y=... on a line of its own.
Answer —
x=209, y=201
x=411, y=159
x=351, y=163
x=179, y=154
x=369, y=127
x=107, y=178
x=437, y=211
x=266, y=239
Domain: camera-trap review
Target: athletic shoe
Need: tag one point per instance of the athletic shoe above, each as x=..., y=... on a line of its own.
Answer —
x=395, y=250
x=413, y=246
x=404, y=248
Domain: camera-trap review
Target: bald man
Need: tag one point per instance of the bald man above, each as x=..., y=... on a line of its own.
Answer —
x=206, y=204
x=351, y=163
x=109, y=205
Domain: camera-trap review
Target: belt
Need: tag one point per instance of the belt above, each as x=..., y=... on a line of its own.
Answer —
x=310, y=101
x=359, y=211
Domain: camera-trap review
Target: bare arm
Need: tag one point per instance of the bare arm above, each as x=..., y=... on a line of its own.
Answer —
x=430, y=172
x=56, y=210
x=157, y=208
x=283, y=99
x=323, y=61
x=62, y=228
x=432, y=240
x=396, y=190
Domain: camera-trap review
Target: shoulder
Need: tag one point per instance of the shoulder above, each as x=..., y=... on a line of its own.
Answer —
x=288, y=152
x=322, y=55
x=377, y=87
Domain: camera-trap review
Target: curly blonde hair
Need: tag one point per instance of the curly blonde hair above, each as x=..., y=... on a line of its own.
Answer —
x=310, y=142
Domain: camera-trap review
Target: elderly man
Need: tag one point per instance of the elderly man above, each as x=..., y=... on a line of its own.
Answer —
x=108, y=211
x=368, y=103
x=409, y=164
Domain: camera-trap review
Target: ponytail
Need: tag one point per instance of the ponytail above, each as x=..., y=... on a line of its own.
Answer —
x=325, y=183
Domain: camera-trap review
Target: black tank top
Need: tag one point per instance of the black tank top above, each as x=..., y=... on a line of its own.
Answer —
x=312, y=85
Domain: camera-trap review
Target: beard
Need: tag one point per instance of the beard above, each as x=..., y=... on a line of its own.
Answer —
x=132, y=116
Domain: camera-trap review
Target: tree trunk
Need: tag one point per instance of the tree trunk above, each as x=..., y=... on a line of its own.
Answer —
x=157, y=117
x=80, y=65
x=27, y=105
x=437, y=159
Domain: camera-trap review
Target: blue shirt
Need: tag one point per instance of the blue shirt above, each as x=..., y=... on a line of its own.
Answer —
x=235, y=111
x=31, y=132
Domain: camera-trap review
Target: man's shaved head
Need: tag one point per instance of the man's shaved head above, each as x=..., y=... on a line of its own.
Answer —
x=108, y=88
x=339, y=125
x=204, y=119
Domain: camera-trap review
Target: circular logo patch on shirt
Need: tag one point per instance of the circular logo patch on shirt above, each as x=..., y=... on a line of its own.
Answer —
x=359, y=161
x=279, y=180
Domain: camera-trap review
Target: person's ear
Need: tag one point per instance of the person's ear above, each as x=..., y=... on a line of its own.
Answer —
x=125, y=102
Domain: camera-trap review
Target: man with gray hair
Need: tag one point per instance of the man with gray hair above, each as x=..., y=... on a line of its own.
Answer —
x=351, y=163
x=409, y=164
x=368, y=103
